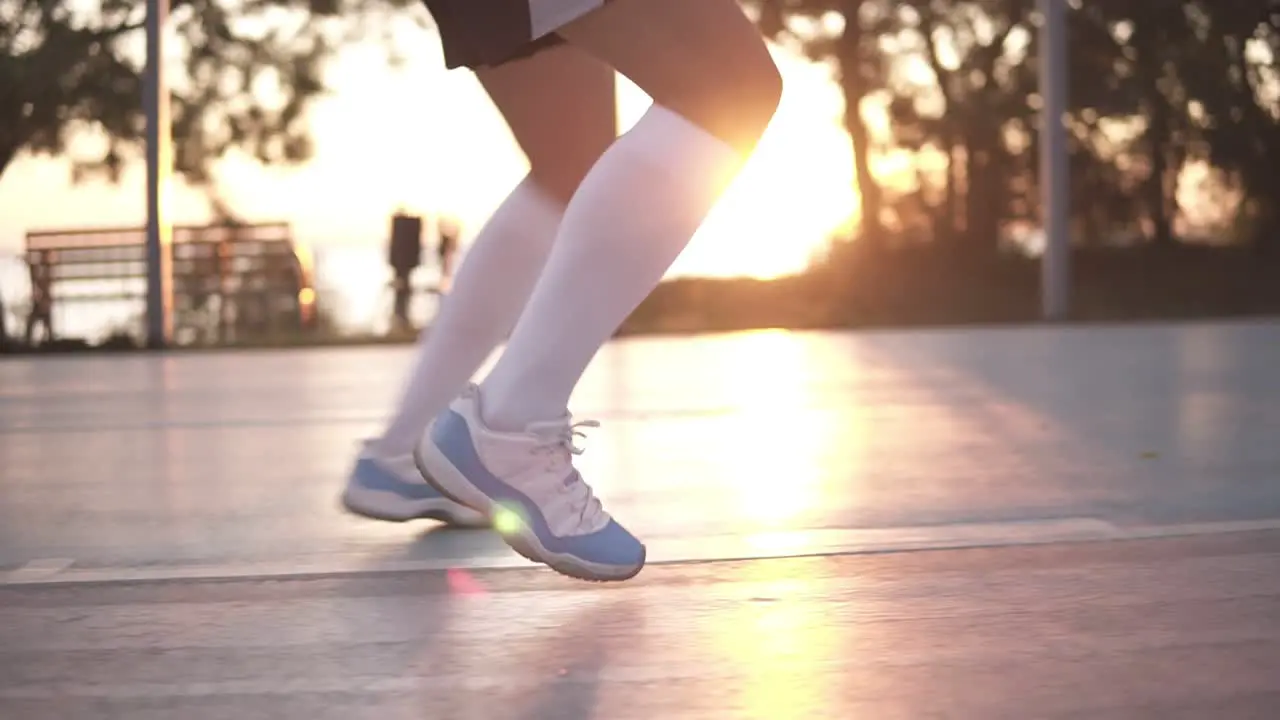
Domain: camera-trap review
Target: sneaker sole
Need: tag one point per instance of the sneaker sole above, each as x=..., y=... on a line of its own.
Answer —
x=389, y=507
x=451, y=483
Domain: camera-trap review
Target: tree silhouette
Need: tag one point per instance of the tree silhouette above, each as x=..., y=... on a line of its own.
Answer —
x=245, y=71
x=1155, y=86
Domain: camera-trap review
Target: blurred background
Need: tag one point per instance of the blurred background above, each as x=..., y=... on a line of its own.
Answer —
x=897, y=185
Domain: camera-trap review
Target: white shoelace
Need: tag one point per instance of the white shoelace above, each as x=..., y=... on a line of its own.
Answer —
x=560, y=447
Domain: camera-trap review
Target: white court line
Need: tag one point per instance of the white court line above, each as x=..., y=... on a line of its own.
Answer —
x=661, y=551
x=37, y=570
x=667, y=551
x=661, y=670
x=1224, y=527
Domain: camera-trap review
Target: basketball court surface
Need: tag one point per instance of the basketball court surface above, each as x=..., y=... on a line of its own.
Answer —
x=977, y=523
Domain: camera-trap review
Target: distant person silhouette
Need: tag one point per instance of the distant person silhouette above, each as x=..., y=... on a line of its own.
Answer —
x=567, y=256
x=4, y=325
x=41, y=314
x=404, y=255
x=447, y=252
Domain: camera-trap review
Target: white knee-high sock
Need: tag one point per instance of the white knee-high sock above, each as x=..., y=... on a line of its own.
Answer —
x=491, y=288
x=628, y=222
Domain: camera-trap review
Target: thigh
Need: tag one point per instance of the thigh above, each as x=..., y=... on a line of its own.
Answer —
x=486, y=33
x=560, y=104
x=701, y=58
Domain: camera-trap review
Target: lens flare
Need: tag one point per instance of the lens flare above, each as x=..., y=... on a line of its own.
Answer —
x=507, y=520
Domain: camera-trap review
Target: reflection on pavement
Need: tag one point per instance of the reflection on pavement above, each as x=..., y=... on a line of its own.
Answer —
x=782, y=442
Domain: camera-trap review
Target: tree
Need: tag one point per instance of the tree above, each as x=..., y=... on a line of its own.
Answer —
x=954, y=79
x=1156, y=85
x=1234, y=86
x=70, y=77
x=1197, y=81
x=974, y=109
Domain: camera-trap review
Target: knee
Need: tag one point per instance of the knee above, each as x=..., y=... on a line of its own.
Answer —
x=740, y=108
x=560, y=170
x=761, y=100
x=559, y=177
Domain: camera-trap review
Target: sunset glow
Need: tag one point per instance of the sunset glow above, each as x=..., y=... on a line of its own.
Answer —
x=419, y=138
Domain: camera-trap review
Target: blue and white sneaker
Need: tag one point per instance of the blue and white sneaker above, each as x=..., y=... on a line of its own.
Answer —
x=525, y=483
x=392, y=489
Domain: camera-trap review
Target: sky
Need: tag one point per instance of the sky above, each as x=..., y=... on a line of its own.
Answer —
x=419, y=137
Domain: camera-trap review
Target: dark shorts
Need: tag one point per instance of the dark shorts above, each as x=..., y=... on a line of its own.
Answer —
x=484, y=33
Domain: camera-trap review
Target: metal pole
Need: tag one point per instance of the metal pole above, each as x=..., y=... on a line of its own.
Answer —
x=159, y=167
x=1055, y=270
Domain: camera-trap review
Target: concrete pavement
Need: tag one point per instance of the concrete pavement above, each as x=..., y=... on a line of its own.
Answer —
x=1176, y=628
x=1093, y=514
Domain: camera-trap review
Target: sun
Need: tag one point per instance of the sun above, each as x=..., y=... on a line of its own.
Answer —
x=795, y=193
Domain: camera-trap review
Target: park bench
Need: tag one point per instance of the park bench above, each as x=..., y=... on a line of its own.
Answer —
x=230, y=281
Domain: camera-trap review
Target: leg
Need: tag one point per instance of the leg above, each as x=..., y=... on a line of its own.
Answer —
x=560, y=105
x=506, y=448
x=494, y=281
x=30, y=334
x=401, y=292
x=702, y=59
x=715, y=90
